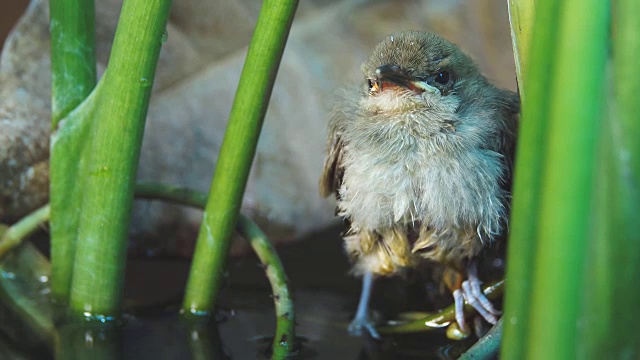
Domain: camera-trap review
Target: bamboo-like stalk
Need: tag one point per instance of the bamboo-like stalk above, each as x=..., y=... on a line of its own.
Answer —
x=116, y=136
x=611, y=296
x=576, y=89
x=530, y=157
x=236, y=154
x=73, y=75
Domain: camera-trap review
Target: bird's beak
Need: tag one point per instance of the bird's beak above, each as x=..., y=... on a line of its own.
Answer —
x=393, y=75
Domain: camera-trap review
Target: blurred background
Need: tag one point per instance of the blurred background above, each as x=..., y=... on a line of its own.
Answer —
x=10, y=11
x=199, y=67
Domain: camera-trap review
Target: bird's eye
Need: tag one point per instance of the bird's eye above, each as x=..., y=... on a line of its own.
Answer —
x=370, y=84
x=442, y=78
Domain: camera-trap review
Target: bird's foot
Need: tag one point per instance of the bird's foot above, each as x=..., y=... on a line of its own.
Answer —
x=474, y=296
x=470, y=291
x=361, y=324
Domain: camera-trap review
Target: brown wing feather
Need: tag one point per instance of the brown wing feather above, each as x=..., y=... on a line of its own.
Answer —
x=333, y=170
x=510, y=132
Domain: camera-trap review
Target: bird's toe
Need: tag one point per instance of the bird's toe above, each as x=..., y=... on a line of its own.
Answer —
x=476, y=298
x=359, y=325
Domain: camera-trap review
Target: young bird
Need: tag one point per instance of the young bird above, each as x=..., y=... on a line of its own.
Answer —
x=420, y=161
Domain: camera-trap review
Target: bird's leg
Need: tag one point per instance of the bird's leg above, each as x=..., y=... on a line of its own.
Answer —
x=475, y=297
x=453, y=279
x=362, y=319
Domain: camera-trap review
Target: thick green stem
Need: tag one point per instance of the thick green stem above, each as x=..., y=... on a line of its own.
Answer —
x=530, y=156
x=89, y=340
x=73, y=55
x=236, y=154
x=564, y=220
x=611, y=298
x=73, y=73
x=116, y=136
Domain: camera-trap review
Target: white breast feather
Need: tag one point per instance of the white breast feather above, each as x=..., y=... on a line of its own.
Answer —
x=420, y=172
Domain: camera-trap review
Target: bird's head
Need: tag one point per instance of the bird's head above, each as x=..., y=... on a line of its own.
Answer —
x=410, y=70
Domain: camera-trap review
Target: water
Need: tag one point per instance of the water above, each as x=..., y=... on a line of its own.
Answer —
x=325, y=299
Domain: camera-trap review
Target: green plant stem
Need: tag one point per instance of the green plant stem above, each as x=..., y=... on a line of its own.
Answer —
x=284, y=339
x=179, y=195
x=521, y=19
x=285, y=326
x=530, y=157
x=487, y=347
x=564, y=221
x=204, y=338
x=610, y=312
x=116, y=137
x=89, y=340
x=236, y=154
x=23, y=228
x=73, y=75
x=23, y=289
x=73, y=55
x=439, y=319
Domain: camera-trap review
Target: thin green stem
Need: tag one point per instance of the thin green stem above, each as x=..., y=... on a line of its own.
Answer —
x=487, y=347
x=23, y=228
x=285, y=323
x=284, y=339
x=73, y=55
x=236, y=154
x=530, y=156
x=441, y=318
x=564, y=222
x=23, y=289
x=179, y=195
x=116, y=136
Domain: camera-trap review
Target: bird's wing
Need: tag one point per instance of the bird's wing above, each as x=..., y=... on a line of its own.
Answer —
x=333, y=170
x=511, y=108
x=342, y=118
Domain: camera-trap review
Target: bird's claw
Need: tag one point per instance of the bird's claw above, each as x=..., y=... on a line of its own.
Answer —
x=361, y=323
x=471, y=292
x=474, y=296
